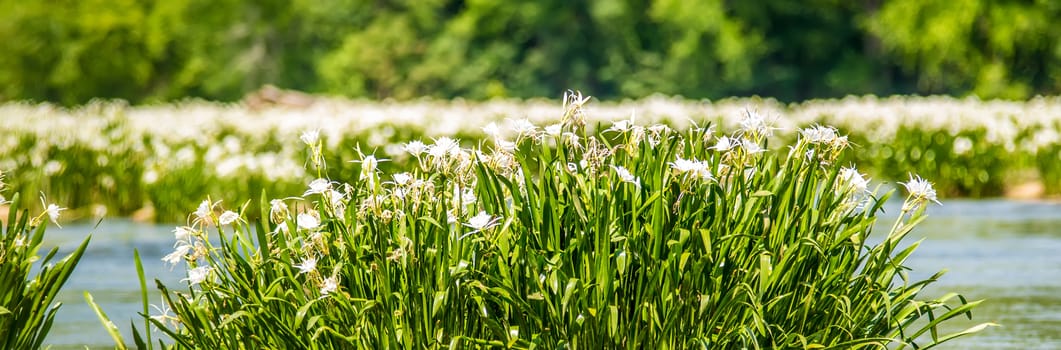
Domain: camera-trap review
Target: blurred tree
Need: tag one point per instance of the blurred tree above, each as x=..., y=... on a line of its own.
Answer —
x=377, y=57
x=143, y=50
x=217, y=48
x=816, y=48
x=72, y=51
x=1003, y=48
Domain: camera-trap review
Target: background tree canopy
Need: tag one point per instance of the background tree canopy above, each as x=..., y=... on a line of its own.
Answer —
x=72, y=51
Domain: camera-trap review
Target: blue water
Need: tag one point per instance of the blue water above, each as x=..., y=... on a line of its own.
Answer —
x=1004, y=251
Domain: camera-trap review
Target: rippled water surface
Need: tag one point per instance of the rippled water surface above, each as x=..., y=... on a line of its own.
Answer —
x=1006, y=252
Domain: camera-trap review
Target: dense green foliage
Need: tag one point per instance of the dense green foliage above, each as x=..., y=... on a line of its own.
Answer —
x=29, y=283
x=629, y=238
x=149, y=161
x=72, y=51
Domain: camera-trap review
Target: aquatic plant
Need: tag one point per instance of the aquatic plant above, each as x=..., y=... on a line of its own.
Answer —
x=108, y=158
x=635, y=236
x=29, y=283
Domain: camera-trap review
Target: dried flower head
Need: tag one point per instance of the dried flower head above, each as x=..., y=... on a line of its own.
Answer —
x=277, y=211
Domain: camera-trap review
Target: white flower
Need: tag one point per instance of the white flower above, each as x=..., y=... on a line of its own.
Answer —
x=183, y=233
x=696, y=168
x=819, y=134
x=524, y=127
x=310, y=137
x=623, y=125
x=482, y=221
x=150, y=176
x=318, y=186
x=683, y=165
x=660, y=129
x=723, y=144
x=198, y=275
x=52, y=167
x=554, y=130
x=178, y=254
x=962, y=145
x=368, y=164
x=492, y=130
x=402, y=179
x=228, y=217
x=329, y=285
x=505, y=145
x=336, y=199
x=277, y=210
x=572, y=139
x=626, y=176
x=920, y=189
x=755, y=124
x=467, y=196
x=443, y=147
x=400, y=192
x=415, y=148
x=751, y=147
x=53, y=213
x=851, y=179
x=368, y=168
x=165, y=316
x=308, y=221
x=307, y=266
x=204, y=211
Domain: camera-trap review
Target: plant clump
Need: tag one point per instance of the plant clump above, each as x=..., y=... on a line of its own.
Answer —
x=630, y=237
x=29, y=283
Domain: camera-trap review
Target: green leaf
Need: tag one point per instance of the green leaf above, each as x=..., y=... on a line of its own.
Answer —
x=438, y=302
x=109, y=326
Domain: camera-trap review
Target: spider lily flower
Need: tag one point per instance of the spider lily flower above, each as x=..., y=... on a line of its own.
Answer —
x=310, y=137
x=53, y=213
x=819, y=134
x=198, y=275
x=178, y=254
x=626, y=176
x=183, y=233
x=415, y=148
x=318, y=186
x=693, y=167
x=624, y=124
x=307, y=265
x=482, y=221
x=851, y=179
x=329, y=285
x=724, y=144
x=277, y=211
x=554, y=130
x=228, y=217
x=524, y=128
x=203, y=214
x=307, y=221
x=751, y=147
x=920, y=191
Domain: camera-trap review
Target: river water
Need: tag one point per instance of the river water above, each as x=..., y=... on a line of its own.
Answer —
x=1004, y=251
